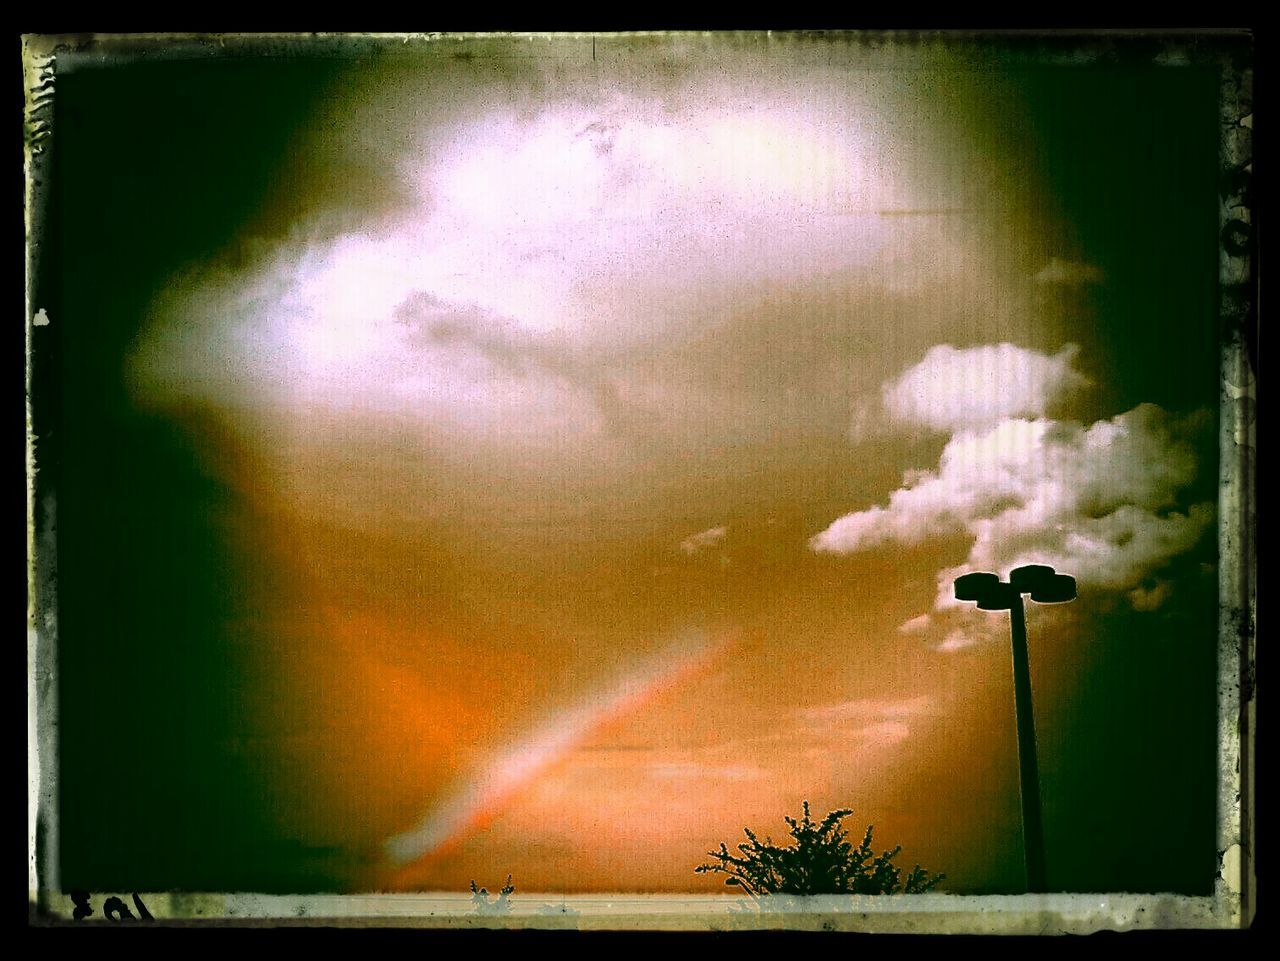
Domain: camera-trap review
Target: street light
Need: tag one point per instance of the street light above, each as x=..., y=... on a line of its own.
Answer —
x=1045, y=586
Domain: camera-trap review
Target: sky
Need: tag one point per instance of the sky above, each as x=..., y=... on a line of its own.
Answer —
x=547, y=458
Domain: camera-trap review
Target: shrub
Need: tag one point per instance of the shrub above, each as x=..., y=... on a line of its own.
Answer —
x=821, y=861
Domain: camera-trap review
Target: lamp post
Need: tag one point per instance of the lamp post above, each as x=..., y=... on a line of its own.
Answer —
x=1045, y=586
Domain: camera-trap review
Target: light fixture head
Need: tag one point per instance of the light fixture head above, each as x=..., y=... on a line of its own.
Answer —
x=973, y=587
x=1001, y=597
x=1030, y=576
x=1058, y=589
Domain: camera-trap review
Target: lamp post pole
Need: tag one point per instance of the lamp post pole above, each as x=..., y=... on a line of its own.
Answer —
x=1045, y=586
x=1028, y=767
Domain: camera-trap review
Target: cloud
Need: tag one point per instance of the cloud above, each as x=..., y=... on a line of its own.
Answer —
x=1098, y=501
x=432, y=323
x=1068, y=273
x=611, y=219
x=624, y=233
x=704, y=540
x=953, y=389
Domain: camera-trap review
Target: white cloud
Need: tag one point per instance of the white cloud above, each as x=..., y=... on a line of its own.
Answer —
x=598, y=223
x=1068, y=273
x=954, y=389
x=1098, y=501
x=703, y=540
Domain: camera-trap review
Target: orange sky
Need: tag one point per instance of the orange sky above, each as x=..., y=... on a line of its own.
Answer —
x=545, y=458
x=407, y=668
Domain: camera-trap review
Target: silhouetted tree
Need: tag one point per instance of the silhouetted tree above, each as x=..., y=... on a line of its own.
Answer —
x=821, y=861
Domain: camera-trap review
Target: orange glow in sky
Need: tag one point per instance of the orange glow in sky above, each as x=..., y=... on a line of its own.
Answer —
x=615, y=472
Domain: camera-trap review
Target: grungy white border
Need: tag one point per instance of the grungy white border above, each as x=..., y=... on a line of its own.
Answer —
x=1231, y=905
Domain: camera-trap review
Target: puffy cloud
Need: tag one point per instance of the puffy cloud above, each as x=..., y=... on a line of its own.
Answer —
x=603, y=221
x=1068, y=273
x=510, y=351
x=1099, y=501
x=704, y=540
x=953, y=388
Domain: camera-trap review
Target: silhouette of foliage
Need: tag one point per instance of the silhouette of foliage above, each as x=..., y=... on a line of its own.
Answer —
x=500, y=905
x=821, y=861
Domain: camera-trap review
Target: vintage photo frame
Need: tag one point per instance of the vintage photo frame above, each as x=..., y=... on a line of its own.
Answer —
x=1230, y=905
